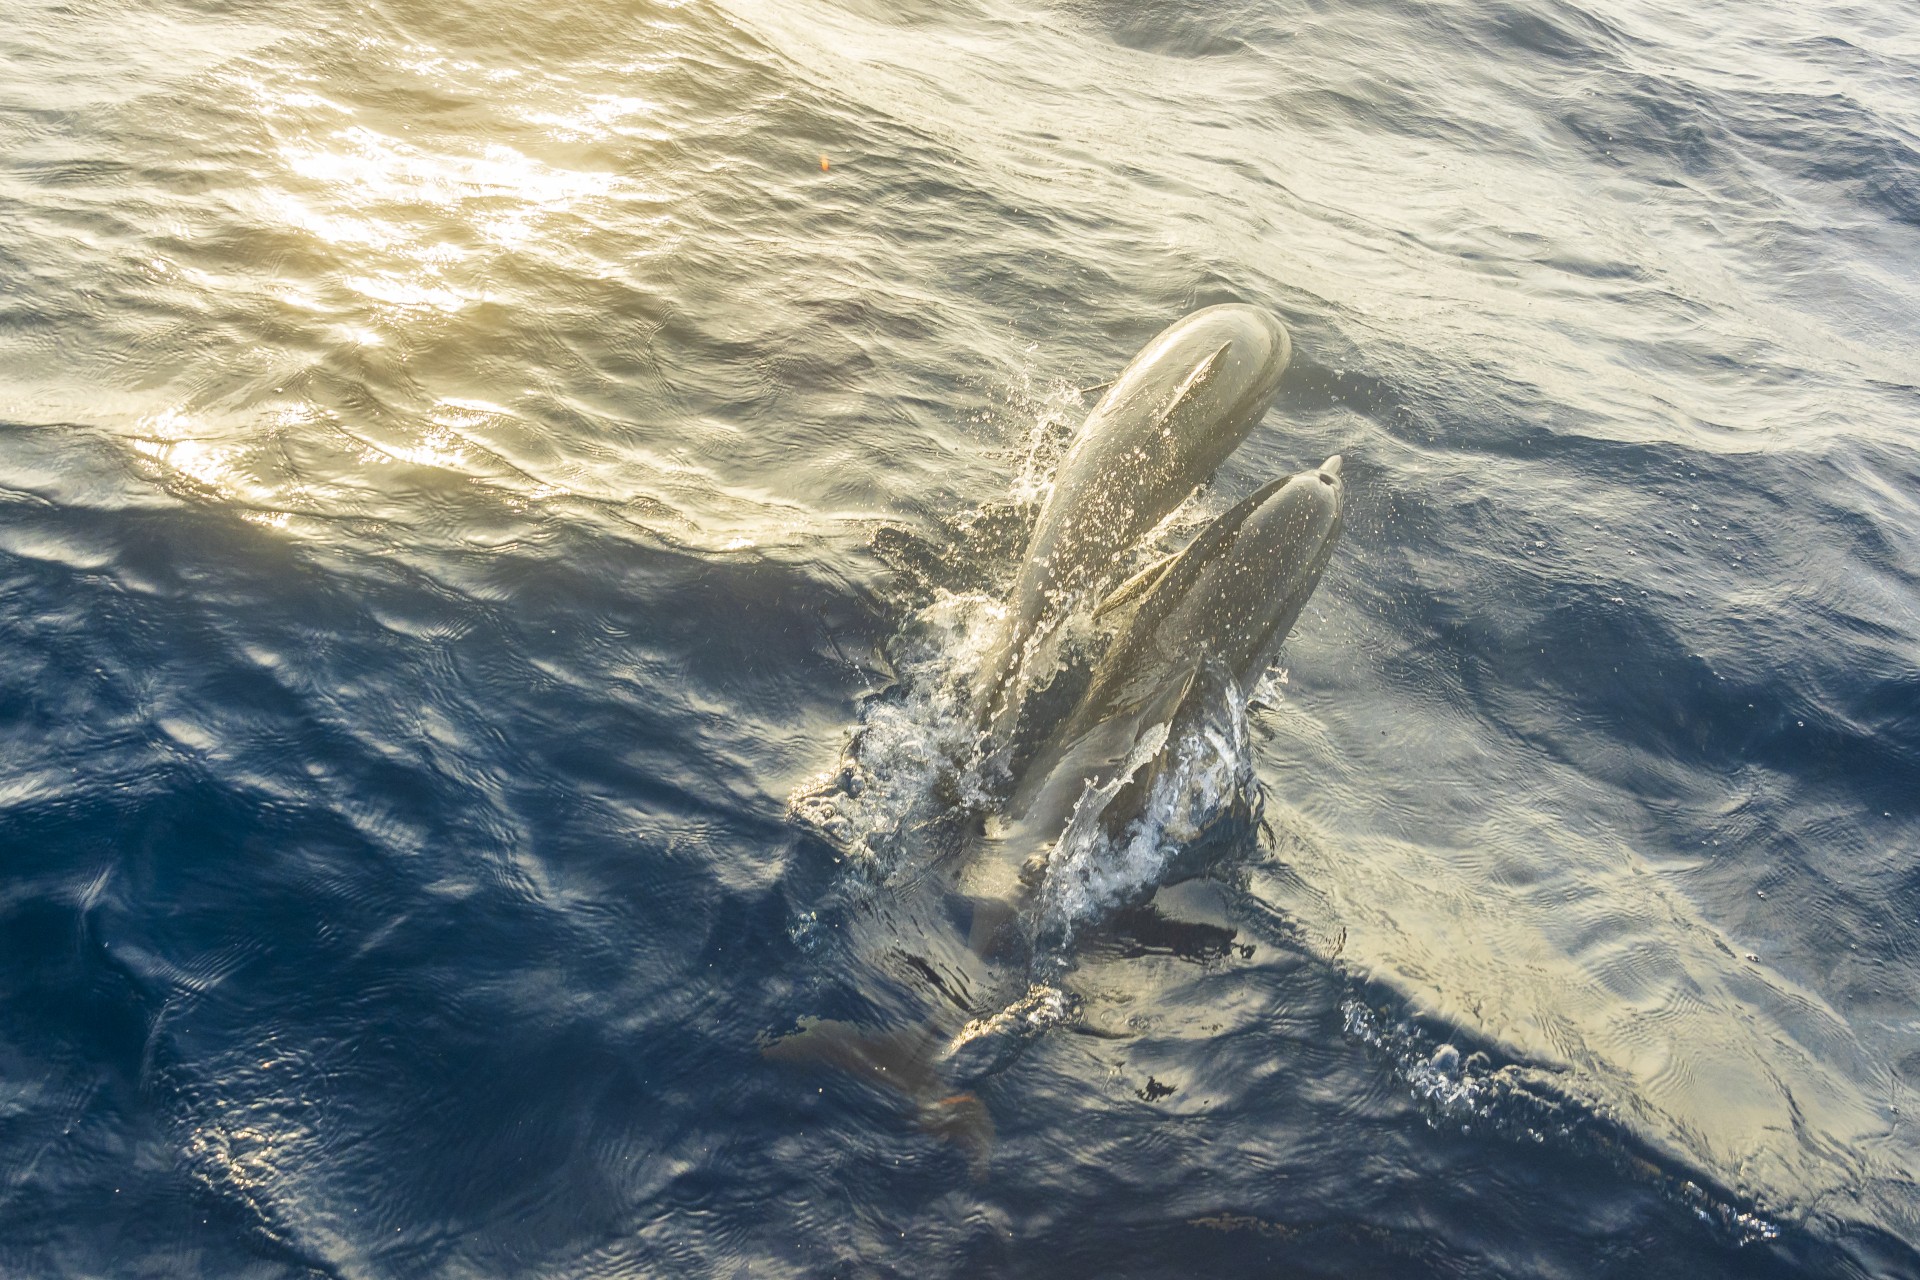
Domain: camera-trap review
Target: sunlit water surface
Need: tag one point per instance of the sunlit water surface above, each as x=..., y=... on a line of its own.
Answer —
x=465, y=468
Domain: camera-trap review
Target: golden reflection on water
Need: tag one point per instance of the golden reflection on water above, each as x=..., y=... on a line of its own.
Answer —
x=404, y=236
x=169, y=437
x=404, y=232
x=356, y=169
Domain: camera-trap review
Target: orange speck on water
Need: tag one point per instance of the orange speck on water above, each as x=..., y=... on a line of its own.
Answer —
x=823, y=162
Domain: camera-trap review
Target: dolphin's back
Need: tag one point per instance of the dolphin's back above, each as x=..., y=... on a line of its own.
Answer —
x=1232, y=595
x=1228, y=599
x=1184, y=403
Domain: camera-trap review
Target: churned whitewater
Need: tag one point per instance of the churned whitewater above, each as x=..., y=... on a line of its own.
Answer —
x=503, y=507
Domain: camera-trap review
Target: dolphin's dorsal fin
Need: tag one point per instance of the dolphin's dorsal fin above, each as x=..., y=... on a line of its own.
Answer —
x=1136, y=586
x=1178, y=569
x=1201, y=374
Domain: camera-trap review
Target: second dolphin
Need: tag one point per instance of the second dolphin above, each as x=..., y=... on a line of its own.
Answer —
x=1225, y=603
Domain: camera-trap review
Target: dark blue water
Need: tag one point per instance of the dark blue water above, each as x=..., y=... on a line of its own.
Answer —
x=465, y=470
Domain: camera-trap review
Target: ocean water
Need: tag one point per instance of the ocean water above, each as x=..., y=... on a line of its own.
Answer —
x=474, y=476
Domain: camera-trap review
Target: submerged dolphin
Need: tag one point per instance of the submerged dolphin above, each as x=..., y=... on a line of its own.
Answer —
x=1219, y=608
x=1175, y=413
x=1226, y=602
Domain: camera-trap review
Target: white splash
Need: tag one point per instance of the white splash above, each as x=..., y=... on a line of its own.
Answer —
x=1200, y=767
x=916, y=753
x=1525, y=1104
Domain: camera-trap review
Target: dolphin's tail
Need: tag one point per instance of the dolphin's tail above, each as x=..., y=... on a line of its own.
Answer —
x=962, y=1119
x=905, y=1063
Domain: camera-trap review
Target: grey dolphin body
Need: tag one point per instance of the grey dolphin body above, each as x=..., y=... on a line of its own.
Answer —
x=1184, y=403
x=1226, y=601
x=1222, y=605
x=1216, y=611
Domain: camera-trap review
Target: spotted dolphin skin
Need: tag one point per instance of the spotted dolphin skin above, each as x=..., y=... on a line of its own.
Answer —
x=1184, y=403
x=1230, y=596
x=1225, y=602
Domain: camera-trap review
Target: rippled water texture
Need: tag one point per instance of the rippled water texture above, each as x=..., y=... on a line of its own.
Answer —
x=464, y=467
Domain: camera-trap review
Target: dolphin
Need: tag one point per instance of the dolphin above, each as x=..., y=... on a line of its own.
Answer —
x=1217, y=610
x=1224, y=603
x=1173, y=415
